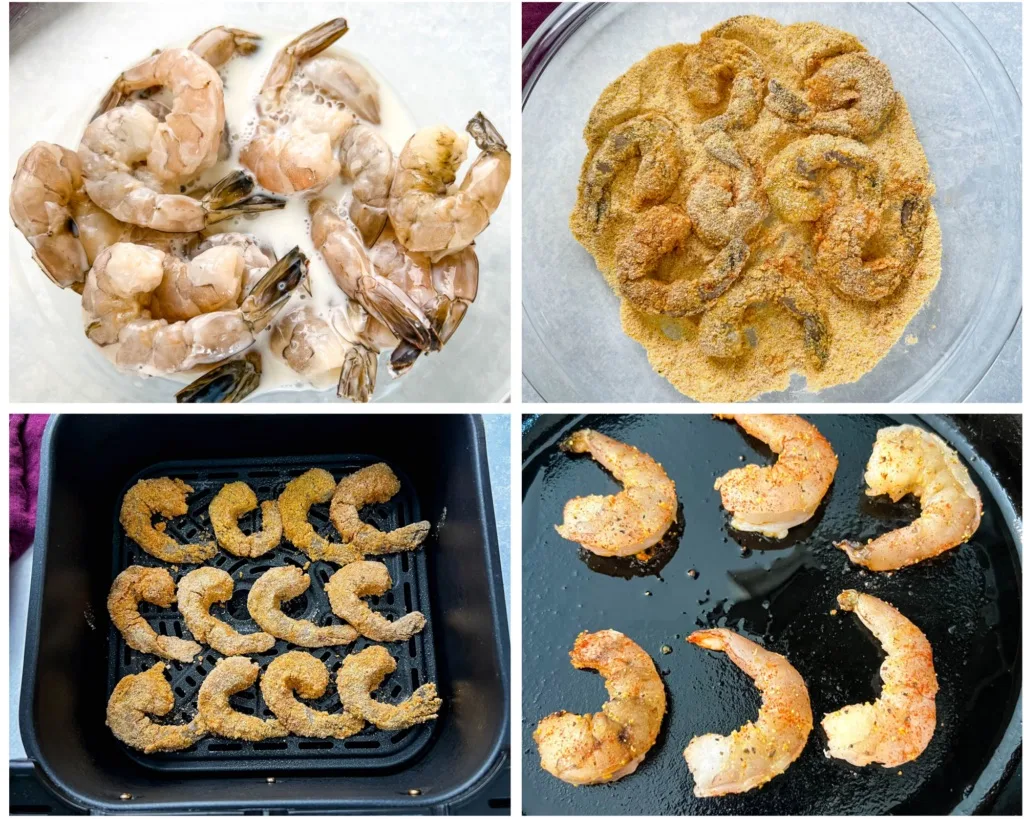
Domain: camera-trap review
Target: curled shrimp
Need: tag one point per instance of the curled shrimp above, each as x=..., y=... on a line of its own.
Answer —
x=373, y=484
x=228, y=505
x=200, y=589
x=346, y=79
x=366, y=160
x=907, y=460
x=897, y=727
x=596, y=748
x=230, y=676
x=428, y=218
x=730, y=207
x=718, y=62
x=134, y=698
x=631, y=521
x=761, y=750
x=166, y=497
x=366, y=578
x=299, y=673
x=133, y=586
x=363, y=672
x=811, y=44
x=274, y=587
x=772, y=500
x=311, y=487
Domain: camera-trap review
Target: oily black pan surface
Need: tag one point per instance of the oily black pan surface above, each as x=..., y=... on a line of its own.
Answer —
x=967, y=601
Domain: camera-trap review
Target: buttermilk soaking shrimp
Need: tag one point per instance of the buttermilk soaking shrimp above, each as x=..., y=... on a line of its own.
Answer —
x=760, y=750
x=906, y=460
x=596, y=748
x=897, y=727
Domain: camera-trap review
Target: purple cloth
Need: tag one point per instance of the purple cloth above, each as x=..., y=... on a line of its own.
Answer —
x=26, y=445
x=533, y=15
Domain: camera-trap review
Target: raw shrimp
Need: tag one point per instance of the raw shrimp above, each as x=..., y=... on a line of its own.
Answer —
x=137, y=696
x=726, y=208
x=810, y=44
x=218, y=45
x=211, y=337
x=596, y=748
x=906, y=460
x=657, y=233
x=227, y=383
x=299, y=673
x=651, y=139
x=761, y=750
x=132, y=586
x=229, y=676
x=167, y=497
x=631, y=521
x=230, y=503
x=367, y=162
x=346, y=80
x=363, y=672
x=274, y=587
x=897, y=727
x=366, y=578
x=200, y=589
x=372, y=484
x=772, y=500
x=718, y=62
x=427, y=217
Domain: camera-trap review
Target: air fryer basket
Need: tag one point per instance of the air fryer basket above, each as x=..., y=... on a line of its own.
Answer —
x=457, y=764
x=782, y=594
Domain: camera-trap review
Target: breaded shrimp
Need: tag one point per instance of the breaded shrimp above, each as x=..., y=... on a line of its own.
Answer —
x=314, y=486
x=137, y=696
x=167, y=497
x=299, y=673
x=233, y=501
x=595, y=748
x=374, y=484
x=761, y=750
x=907, y=460
x=363, y=672
x=229, y=676
x=282, y=583
x=772, y=500
x=897, y=727
x=200, y=589
x=362, y=579
x=156, y=586
x=631, y=521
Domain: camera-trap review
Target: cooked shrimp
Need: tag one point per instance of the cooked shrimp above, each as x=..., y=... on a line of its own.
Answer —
x=595, y=748
x=167, y=497
x=730, y=207
x=761, y=750
x=773, y=499
x=373, y=484
x=718, y=61
x=229, y=676
x=299, y=673
x=132, y=586
x=427, y=217
x=897, y=727
x=137, y=696
x=314, y=486
x=273, y=588
x=230, y=503
x=363, y=579
x=631, y=521
x=906, y=460
x=361, y=673
x=200, y=589
x=367, y=162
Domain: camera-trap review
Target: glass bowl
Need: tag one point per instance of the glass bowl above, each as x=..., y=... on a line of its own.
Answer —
x=968, y=118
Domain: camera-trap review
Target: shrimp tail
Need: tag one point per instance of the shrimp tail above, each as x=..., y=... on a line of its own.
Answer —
x=485, y=135
x=402, y=358
x=389, y=304
x=358, y=374
x=227, y=383
x=306, y=45
x=233, y=196
x=271, y=292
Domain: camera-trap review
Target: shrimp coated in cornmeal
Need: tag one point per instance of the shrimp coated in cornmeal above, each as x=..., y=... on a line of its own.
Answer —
x=362, y=579
x=897, y=727
x=231, y=502
x=363, y=672
x=228, y=677
x=200, y=589
x=631, y=521
x=760, y=750
x=273, y=588
x=773, y=499
x=906, y=460
x=167, y=497
x=373, y=484
x=141, y=583
x=303, y=674
x=596, y=748
x=137, y=696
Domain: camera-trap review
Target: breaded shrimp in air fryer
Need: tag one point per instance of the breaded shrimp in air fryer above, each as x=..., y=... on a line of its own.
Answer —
x=283, y=583
x=374, y=484
x=156, y=586
x=167, y=497
x=233, y=501
x=200, y=589
x=359, y=677
x=137, y=696
x=303, y=674
x=229, y=676
x=363, y=579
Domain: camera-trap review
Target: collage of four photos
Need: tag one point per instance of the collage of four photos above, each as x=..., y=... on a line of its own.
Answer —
x=761, y=555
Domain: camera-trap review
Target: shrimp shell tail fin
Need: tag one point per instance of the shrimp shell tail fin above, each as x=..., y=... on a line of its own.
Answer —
x=358, y=375
x=485, y=134
x=227, y=383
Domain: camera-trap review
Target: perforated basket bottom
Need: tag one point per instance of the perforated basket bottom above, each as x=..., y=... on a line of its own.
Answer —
x=369, y=749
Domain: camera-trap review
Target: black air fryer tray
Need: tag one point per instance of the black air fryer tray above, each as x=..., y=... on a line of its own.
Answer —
x=782, y=594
